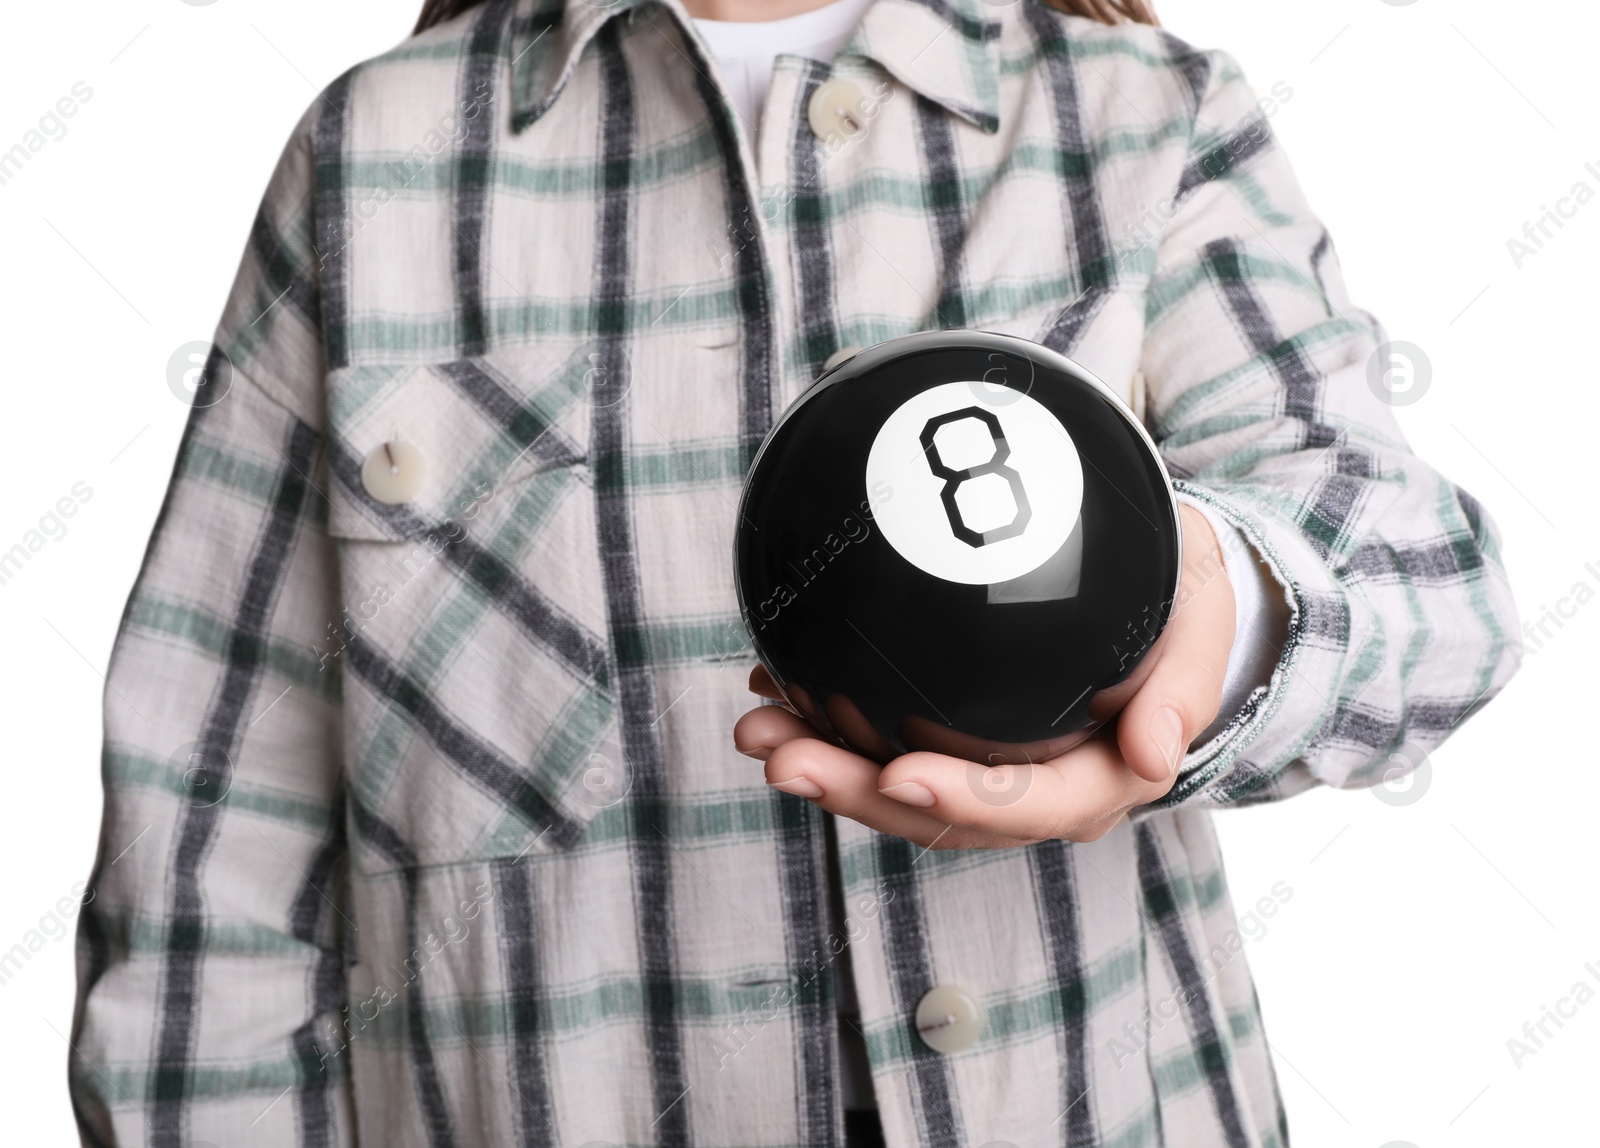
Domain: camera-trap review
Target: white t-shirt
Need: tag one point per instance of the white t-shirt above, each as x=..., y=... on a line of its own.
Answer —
x=745, y=49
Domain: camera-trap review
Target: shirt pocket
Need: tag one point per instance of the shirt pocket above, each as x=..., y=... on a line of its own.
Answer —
x=475, y=656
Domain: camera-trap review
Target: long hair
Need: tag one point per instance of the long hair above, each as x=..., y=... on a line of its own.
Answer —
x=1105, y=11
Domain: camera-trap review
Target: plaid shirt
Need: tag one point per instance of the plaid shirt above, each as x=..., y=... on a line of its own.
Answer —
x=423, y=824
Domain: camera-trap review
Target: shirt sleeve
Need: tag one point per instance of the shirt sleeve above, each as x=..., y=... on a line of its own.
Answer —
x=1400, y=621
x=1261, y=621
x=210, y=962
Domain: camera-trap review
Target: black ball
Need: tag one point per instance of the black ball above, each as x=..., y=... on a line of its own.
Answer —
x=957, y=541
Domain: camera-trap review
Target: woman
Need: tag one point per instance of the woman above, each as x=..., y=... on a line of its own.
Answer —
x=423, y=820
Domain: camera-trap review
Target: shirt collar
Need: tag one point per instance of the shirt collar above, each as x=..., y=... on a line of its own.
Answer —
x=945, y=50
x=942, y=49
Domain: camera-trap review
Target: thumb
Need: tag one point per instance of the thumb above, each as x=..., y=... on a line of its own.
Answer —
x=1181, y=695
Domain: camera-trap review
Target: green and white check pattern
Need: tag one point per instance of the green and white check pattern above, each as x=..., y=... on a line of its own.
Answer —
x=441, y=839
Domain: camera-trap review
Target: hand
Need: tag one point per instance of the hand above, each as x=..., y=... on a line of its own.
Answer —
x=1080, y=795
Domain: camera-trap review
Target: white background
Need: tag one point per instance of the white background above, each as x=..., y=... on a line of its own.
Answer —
x=1418, y=939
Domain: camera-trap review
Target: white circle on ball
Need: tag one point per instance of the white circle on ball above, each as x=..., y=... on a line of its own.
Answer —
x=972, y=489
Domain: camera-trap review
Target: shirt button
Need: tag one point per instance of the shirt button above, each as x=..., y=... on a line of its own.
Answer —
x=843, y=354
x=950, y=1019
x=394, y=472
x=837, y=111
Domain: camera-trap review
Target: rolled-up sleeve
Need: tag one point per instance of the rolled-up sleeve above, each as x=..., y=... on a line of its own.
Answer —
x=1266, y=407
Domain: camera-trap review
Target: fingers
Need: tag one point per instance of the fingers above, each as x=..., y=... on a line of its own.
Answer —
x=1078, y=796
x=945, y=802
x=839, y=781
x=1181, y=695
x=765, y=728
x=847, y=784
x=762, y=685
x=841, y=713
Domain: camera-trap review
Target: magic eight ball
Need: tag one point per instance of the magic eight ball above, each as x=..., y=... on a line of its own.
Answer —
x=957, y=541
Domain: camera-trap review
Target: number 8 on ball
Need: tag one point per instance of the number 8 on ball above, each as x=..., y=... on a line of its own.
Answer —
x=961, y=465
